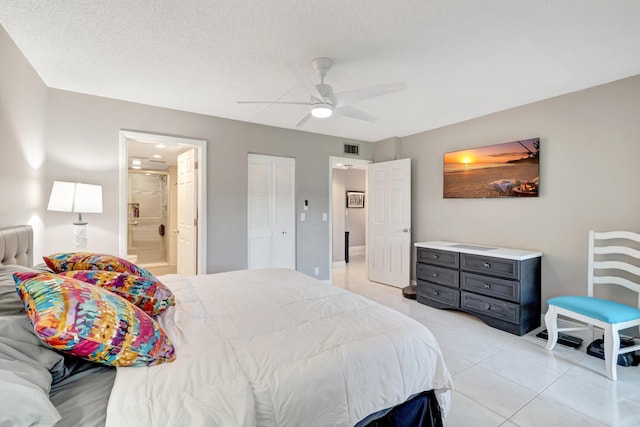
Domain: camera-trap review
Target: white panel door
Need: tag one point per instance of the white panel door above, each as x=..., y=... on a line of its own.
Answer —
x=389, y=222
x=271, y=212
x=187, y=214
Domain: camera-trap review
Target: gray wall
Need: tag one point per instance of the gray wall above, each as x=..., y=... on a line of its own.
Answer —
x=80, y=142
x=23, y=103
x=589, y=173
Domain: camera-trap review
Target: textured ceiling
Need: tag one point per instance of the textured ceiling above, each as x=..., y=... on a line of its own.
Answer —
x=460, y=58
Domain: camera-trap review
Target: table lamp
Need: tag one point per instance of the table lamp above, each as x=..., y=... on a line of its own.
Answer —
x=80, y=198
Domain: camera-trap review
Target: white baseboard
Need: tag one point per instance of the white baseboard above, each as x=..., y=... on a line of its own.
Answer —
x=338, y=264
x=356, y=250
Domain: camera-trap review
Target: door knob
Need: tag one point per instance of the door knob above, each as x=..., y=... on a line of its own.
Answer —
x=176, y=231
x=406, y=230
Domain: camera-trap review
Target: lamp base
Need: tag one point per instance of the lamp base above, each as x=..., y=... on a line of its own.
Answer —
x=80, y=236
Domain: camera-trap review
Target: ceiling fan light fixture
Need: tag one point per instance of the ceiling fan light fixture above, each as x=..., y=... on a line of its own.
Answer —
x=321, y=111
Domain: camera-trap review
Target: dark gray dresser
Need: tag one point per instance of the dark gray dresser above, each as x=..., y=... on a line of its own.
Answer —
x=501, y=286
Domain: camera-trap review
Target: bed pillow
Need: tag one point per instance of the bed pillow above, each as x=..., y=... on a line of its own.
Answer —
x=148, y=294
x=10, y=302
x=89, y=261
x=86, y=321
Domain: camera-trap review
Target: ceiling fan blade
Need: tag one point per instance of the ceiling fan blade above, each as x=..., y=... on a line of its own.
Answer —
x=354, y=113
x=304, y=120
x=352, y=96
x=273, y=102
x=306, y=81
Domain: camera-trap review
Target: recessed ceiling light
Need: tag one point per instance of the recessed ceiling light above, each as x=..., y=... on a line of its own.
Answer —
x=136, y=162
x=157, y=156
x=160, y=146
x=136, y=167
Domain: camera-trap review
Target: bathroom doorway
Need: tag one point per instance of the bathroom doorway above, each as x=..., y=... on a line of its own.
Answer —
x=151, y=205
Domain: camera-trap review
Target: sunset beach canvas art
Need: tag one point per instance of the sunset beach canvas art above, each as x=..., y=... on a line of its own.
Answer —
x=502, y=170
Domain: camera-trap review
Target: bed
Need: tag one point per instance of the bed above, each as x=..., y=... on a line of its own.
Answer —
x=262, y=347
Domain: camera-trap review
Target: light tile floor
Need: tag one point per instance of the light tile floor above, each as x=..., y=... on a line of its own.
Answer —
x=504, y=380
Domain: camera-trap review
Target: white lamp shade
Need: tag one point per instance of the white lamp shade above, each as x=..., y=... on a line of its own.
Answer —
x=88, y=198
x=61, y=198
x=75, y=197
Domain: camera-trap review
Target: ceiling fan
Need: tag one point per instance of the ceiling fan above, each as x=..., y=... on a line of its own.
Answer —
x=324, y=103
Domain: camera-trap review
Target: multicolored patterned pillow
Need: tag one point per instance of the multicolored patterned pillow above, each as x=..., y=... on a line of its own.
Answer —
x=148, y=294
x=89, y=261
x=90, y=322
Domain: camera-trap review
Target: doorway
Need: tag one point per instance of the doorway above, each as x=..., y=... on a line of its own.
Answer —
x=347, y=175
x=153, y=155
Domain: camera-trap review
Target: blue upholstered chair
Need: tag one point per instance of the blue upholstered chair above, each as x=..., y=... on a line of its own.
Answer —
x=614, y=260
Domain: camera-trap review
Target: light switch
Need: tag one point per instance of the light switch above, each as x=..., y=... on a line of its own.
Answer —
x=324, y=216
x=303, y=217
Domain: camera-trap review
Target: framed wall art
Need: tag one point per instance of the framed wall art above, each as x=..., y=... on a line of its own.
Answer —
x=355, y=199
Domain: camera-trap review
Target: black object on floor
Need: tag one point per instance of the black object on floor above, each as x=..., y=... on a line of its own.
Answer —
x=346, y=247
x=410, y=291
x=596, y=349
x=563, y=339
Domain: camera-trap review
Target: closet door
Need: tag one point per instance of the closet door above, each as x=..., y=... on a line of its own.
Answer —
x=271, y=212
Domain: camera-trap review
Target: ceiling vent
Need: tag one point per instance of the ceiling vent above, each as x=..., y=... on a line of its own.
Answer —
x=351, y=149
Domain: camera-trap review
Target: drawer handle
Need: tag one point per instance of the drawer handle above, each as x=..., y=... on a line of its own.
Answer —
x=435, y=274
x=436, y=256
x=436, y=293
x=487, y=286
x=486, y=265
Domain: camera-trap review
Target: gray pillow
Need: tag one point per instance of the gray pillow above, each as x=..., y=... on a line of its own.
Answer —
x=27, y=369
x=10, y=302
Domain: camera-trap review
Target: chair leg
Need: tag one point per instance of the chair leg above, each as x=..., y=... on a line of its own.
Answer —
x=611, y=351
x=551, y=320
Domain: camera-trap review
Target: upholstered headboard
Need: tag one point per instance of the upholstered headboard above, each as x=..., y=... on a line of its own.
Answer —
x=16, y=245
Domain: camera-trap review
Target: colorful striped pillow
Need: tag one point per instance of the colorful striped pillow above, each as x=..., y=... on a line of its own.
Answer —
x=89, y=261
x=86, y=321
x=148, y=294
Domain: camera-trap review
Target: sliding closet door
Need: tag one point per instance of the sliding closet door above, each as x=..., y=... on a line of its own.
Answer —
x=271, y=212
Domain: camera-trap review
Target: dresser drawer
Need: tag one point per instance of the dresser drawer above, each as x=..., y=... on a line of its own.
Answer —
x=492, y=307
x=490, y=286
x=442, y=276
x=441, y=294
x=500, y=267
x=436, y=257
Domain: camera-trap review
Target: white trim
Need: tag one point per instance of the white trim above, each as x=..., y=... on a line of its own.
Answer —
x=339, y=264
x=201, y=146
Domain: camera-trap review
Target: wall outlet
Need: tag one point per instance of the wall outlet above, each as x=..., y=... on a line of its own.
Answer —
x=316, y=271
x=324, y=216
x=303, y=217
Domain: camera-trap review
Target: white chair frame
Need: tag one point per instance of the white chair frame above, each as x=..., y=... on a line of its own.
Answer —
x=611, y=331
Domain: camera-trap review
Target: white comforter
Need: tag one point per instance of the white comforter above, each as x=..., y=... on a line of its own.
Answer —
x=277, y=348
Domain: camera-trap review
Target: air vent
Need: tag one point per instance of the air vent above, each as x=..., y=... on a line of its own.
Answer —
x=351, y=149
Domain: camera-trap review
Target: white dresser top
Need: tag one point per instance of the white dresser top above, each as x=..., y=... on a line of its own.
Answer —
x=492, y=251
